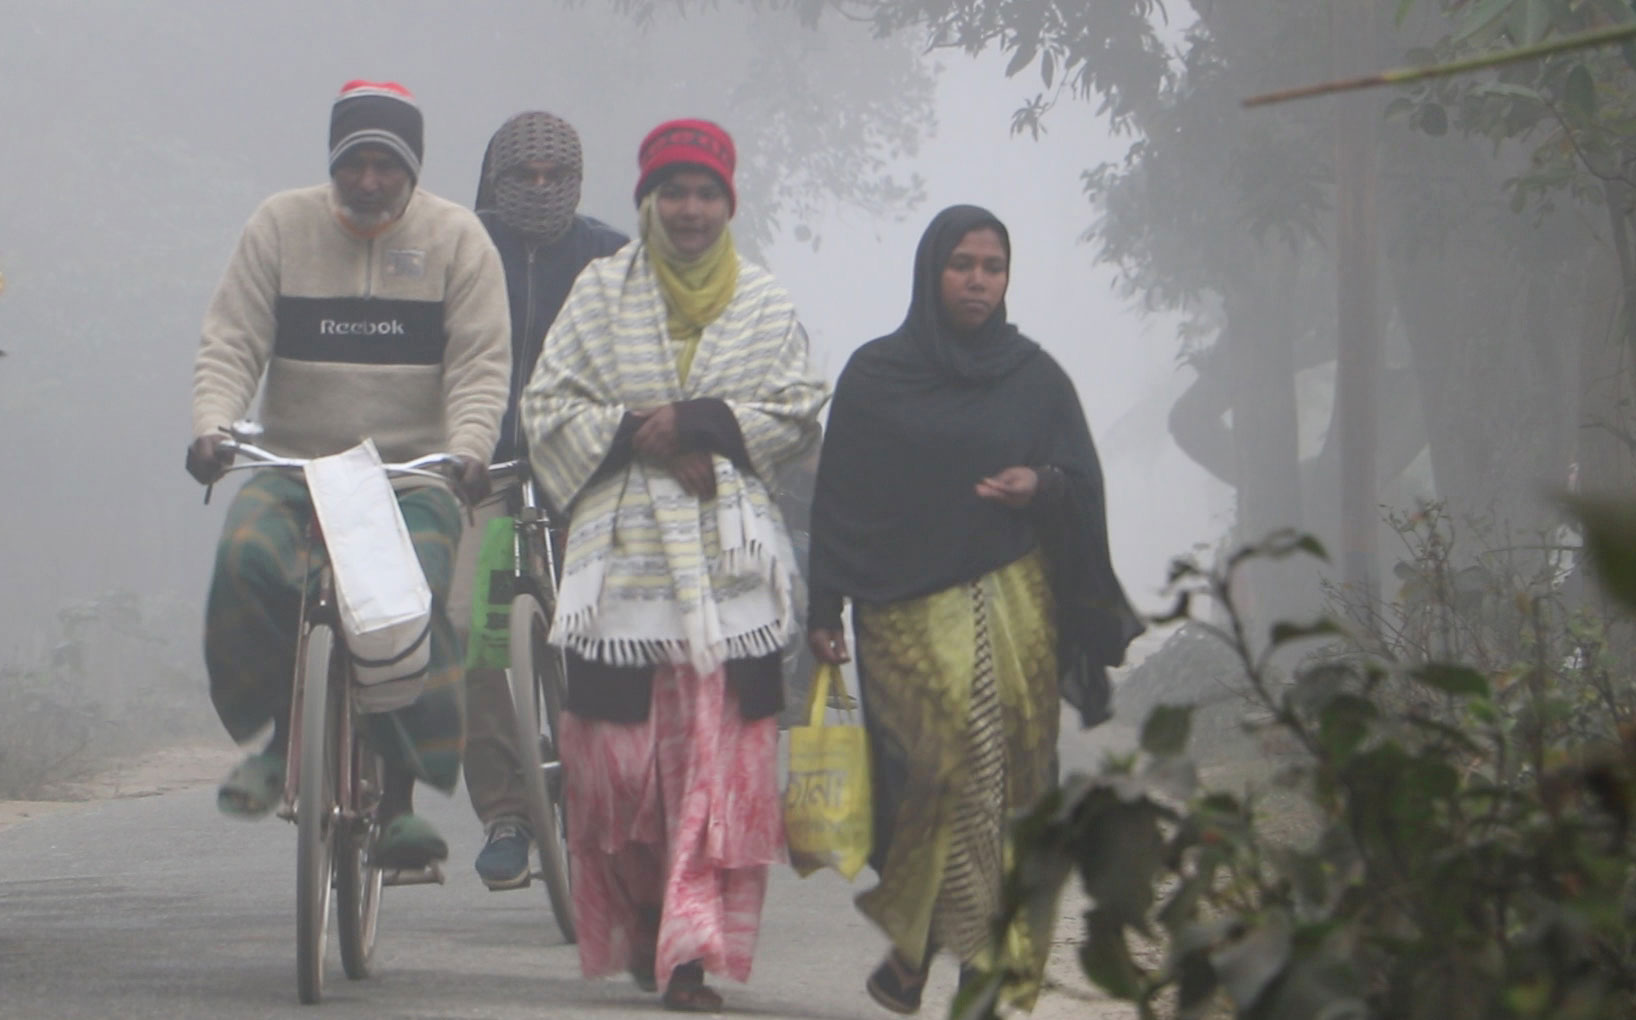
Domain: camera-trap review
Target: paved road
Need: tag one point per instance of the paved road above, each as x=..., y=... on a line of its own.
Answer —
x=158, y=907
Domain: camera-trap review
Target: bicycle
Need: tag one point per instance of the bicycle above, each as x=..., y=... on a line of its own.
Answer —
x=538, y=676
x=333, y=785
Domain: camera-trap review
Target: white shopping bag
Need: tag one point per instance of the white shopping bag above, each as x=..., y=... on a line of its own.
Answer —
x=384, y=602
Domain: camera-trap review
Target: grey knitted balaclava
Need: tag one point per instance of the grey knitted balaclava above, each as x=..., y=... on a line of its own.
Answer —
x=542, y=211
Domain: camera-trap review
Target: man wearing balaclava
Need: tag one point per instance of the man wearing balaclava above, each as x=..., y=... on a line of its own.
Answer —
x=528, y=198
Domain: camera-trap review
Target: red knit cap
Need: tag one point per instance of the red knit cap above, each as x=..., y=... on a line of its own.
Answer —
x=698, y=143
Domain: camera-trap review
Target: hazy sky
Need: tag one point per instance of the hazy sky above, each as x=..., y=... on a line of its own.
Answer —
x=133, y=167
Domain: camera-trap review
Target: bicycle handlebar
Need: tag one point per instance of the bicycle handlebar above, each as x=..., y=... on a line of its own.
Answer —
x=423, y=467
x=237, y=441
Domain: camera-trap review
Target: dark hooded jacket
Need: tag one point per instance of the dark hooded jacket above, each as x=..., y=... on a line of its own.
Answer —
x=919, y=417
x=538, y=278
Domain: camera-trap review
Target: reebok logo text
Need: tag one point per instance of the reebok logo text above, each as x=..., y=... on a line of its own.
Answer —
x=382, y=327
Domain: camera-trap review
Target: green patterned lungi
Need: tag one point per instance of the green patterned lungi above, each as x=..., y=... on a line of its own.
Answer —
x=255, y=604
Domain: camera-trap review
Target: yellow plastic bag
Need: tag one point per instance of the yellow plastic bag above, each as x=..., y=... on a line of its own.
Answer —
x=828, y=820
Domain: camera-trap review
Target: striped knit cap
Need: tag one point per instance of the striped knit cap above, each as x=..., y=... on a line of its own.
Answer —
x=376, y=113
x=542, y=210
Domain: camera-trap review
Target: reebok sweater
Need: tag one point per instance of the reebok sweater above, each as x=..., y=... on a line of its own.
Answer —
x=404, y=337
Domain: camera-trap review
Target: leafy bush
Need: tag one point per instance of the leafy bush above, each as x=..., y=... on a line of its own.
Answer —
x=1461, y=762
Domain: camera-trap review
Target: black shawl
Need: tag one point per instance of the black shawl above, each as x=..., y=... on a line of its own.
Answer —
x=919, y=417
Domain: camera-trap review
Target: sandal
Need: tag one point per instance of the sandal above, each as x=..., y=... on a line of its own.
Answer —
x=687, y=992
x=409, y=842
x=897, y=986
x=253, y=788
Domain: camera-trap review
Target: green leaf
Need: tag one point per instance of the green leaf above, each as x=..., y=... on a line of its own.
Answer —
x=1105, y=957
x=1579, y=92
x=1167, y=729
x=1510, y=90
x=1048, y=68
x=1481, y=16
x=1119, y=857
x=1449, y=733
x=1403, y=8
x=1284, y=632
x=1528, y=21
x=1183, y=904
x=1610, y=538
x=1021, y=59
x=1195, y=982
x=1538, y=21
x=1311, y=546
x=1345, y=722
x=1529, y=998
x=1452, y=679
x=1432, y=776
x=1434, y=120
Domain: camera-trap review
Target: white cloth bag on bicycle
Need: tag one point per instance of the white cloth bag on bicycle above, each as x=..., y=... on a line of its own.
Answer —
x=381, y=593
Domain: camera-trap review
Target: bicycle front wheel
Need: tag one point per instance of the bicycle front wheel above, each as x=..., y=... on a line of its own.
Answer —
x=357, y=876
x=538, y=690
x=314, y=809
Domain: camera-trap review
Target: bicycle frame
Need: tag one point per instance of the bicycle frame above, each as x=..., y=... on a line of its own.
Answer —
x=534, y=554
x=314, y=610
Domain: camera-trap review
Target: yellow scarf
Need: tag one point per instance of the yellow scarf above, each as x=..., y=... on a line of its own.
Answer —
x=696, y=290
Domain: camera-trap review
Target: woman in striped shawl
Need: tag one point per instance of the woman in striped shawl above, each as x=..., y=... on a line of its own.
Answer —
x=672, y=385
x=959, y=506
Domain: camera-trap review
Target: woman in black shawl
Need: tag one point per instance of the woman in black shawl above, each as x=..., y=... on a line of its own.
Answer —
x=959, y=506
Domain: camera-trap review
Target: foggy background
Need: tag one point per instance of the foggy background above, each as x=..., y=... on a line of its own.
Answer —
x=139, y=137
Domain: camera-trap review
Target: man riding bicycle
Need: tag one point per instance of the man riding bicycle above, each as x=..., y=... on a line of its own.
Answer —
x=374, y=310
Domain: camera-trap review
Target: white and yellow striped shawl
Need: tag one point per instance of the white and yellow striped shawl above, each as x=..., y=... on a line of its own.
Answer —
x=651, y=574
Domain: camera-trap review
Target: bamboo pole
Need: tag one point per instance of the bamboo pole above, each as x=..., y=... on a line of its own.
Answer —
x=1402, y=75
x=1358, y=356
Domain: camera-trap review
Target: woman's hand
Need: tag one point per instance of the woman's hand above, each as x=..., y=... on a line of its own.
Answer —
x=828, y=646
x=696, y=474
x=657, y=439
x=1015, y=487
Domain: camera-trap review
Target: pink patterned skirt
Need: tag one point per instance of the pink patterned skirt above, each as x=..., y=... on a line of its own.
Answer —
x=677, y=818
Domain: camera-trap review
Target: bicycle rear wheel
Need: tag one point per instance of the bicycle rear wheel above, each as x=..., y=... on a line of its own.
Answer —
x=538, y=691
x=357, y=877
x=314, y=809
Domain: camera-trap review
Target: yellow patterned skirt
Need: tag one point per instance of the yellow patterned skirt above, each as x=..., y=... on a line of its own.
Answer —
x=960, y=698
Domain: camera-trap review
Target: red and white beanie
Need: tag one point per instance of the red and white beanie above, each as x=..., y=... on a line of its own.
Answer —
x=380, y=113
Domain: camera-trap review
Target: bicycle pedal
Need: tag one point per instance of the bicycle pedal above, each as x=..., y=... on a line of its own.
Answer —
x=431, y=874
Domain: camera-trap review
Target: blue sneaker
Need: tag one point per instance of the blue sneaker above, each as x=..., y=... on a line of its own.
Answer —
x=503, y=862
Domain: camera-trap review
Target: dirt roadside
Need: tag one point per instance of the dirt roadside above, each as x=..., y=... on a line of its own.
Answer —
x=148, y=775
